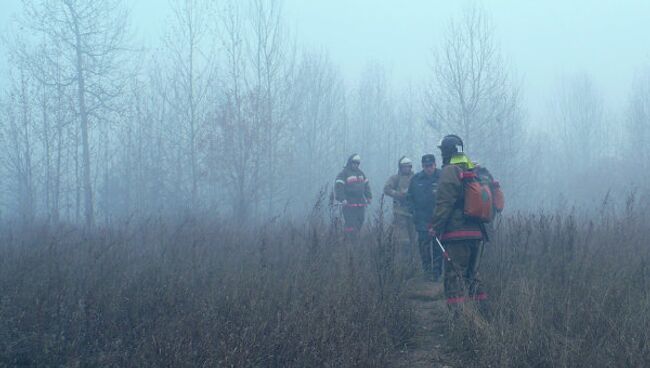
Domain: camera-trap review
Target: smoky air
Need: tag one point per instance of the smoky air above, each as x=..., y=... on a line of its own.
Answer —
x=268, y=183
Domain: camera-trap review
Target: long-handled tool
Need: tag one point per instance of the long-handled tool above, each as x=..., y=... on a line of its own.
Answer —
x=444, y=251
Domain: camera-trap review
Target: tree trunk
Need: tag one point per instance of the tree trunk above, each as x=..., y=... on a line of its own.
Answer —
x=57, y=179
x=46, y=143
x=28, y=189
x=83, y=115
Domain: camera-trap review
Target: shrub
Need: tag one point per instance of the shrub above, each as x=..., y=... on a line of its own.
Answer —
x=567, y=290
x=195, y=293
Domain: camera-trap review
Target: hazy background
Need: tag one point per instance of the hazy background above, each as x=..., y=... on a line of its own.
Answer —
x=571, y=106
x=544, y=40
x=166, y=181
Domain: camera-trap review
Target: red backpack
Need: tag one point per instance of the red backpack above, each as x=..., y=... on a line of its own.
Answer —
x=483, y=197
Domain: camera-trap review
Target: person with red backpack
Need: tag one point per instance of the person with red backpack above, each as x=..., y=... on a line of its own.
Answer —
x=467, y=199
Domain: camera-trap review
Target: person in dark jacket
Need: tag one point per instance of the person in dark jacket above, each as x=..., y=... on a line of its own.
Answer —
x=421, y=199
x=462, y=236
x=397, y=187
x=352, y=192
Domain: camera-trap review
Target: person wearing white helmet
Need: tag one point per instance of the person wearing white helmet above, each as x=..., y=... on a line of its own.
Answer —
x=352, y=192
x=396, y=187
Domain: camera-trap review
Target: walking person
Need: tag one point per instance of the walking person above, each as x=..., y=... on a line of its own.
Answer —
x=397, y=187
x=464, y=203
x=352, y=192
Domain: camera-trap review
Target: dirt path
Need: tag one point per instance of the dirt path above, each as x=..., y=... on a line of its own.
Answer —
x=429, y=345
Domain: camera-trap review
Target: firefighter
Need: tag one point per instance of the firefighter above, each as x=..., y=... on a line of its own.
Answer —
x=397, y=187
x=352, y=192
x=462, y=236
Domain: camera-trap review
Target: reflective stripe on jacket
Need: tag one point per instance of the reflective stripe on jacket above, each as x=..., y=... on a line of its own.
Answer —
x=352, y=185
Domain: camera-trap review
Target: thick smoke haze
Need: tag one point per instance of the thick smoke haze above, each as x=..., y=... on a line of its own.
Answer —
x=544, y=40
x=228, y=131
x=253, y=183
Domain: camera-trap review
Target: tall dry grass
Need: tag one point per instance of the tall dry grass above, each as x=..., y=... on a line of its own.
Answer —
x=198, y=293
x=567, y=290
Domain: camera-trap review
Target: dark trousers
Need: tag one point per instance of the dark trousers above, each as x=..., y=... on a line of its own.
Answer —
x=353, y=217
x=430, y=254
x=462, y=282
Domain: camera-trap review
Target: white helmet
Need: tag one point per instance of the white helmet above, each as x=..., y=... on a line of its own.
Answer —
x=405, y=161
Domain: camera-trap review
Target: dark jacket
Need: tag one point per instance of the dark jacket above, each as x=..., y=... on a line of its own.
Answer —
x=449, y=221
x=396, y=187
x=352, y=185
x=421, y=198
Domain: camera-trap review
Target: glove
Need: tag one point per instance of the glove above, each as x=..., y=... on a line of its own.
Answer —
x=432, y=232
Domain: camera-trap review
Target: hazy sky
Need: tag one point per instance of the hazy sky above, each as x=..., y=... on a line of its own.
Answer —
x=545, y=40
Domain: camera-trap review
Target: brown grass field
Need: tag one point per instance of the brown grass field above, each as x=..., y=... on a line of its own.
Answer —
x=567, y=290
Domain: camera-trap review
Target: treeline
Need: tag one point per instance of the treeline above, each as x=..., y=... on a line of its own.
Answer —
x=231, y=115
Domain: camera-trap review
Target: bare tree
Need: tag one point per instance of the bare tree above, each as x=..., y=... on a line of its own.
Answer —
x=252, y=134
x=52, y=97
x=234, y=137
x=472, y=92
x=319, y=106
x=18, y=135
x=373, y=124
x=412, y=134
x=638, y=118
x=90, y=37
x=191, y=73
x=271, y=62
x=581, y=143
x=578, y=118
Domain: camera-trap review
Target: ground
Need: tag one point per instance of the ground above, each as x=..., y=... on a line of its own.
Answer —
x=428, y=347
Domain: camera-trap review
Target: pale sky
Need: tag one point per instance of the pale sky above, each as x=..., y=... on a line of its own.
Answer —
x=544, y=40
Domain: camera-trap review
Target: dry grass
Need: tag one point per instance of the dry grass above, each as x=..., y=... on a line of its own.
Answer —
x=566, y=291
x=192, y=293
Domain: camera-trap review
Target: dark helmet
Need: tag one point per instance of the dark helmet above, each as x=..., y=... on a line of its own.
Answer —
x=428, y=159
x=451, y=144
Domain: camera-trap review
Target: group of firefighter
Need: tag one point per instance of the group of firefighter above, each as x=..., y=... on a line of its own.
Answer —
x=447, y=208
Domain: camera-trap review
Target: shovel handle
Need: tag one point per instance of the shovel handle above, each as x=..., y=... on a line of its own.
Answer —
x=444, y=251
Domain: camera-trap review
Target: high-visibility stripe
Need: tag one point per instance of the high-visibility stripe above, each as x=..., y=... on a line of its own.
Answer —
x=464, y=299
x=475, y=234
x=468, y=175
x=481, y=296
x=356, y=179
x=456, y=300
x=356, y=205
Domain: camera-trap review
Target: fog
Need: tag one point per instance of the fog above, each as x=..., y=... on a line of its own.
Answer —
x=249, y=109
